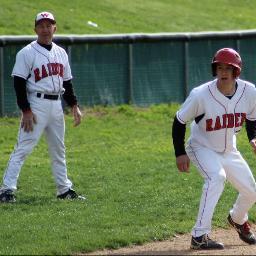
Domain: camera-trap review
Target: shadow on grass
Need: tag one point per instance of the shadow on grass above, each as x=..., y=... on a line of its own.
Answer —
x=37, y=201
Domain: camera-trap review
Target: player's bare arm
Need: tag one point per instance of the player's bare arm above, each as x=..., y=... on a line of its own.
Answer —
x=253, y=144
x=28, y=120
x=182, y=163
x=77, y=115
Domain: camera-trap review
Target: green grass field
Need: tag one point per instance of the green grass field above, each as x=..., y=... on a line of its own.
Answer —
x=134, y=16
x=121, y=158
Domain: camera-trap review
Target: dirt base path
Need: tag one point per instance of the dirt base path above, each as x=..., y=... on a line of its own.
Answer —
x=180, y=246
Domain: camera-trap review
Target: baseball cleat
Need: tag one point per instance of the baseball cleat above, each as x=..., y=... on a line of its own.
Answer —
x=70, y=194
x=244, y=231
x=205, y=243
x=7, y=196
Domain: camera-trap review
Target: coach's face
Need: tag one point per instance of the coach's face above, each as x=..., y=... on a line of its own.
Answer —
x=45, y=30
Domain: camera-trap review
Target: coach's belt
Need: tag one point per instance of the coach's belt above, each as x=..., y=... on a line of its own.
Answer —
x=48, y=96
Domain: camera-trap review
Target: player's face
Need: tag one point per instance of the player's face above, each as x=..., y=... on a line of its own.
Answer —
x=45, y=30
x=225, y=73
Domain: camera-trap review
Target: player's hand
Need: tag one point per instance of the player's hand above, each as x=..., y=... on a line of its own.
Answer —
x=28, y=120
x=253, y=144
x=182, y=163
x=77, y=115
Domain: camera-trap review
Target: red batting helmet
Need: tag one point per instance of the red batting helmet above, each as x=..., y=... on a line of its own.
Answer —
x=227, y=56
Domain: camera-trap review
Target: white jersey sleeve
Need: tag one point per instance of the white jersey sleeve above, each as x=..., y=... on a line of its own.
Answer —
x=67, y=70
x=190, y=108
x=23, y=64
x=251, y=99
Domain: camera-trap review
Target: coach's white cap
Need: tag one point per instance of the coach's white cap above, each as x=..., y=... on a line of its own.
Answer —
x=44, y=16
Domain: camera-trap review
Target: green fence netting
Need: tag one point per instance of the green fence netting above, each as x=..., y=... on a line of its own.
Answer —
x=101, y=73
x=130, y=70
x=157, y=72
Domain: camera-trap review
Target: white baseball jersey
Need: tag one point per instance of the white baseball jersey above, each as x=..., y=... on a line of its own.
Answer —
x=212, y=147
x=44, y=70
x=221, y=118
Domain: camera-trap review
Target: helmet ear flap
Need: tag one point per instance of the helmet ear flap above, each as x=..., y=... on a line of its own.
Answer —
x=236, y=72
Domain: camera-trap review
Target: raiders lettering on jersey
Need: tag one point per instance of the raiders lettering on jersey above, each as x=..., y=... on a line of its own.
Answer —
x=51, y=69
x=226, y=121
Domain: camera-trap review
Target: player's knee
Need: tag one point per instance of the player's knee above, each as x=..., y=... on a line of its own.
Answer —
x=251, y=191
x=217, y=182
x=219, y=178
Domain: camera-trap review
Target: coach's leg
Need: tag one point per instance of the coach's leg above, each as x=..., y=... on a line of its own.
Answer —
x=55, y=132
x=25, y=144
x=209, y=166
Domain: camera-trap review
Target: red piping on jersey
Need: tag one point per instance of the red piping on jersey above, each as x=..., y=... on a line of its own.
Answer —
x=54, y=88
x=226, y=114
x=239, y=99
x=178, y=116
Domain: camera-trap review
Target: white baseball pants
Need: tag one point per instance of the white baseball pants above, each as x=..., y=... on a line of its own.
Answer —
x=215, y=168
x=50, y=120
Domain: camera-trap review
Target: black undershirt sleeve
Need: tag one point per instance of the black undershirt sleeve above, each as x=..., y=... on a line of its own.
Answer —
x=69, y=95
x=21, y=93
x=250, y=129
x=178, y=137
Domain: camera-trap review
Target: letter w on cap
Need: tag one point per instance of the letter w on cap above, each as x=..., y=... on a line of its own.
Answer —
x=44, y=15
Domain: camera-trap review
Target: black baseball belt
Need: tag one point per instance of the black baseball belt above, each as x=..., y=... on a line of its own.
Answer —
x=47, y=96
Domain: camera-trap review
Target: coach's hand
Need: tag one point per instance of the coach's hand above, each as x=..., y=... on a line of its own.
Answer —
x=253, y=144
x=182, y=163
x=77, y=115
x=28, y=120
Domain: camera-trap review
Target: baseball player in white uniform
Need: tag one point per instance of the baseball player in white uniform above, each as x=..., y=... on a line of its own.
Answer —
x=218, y=109
x=42, y=76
